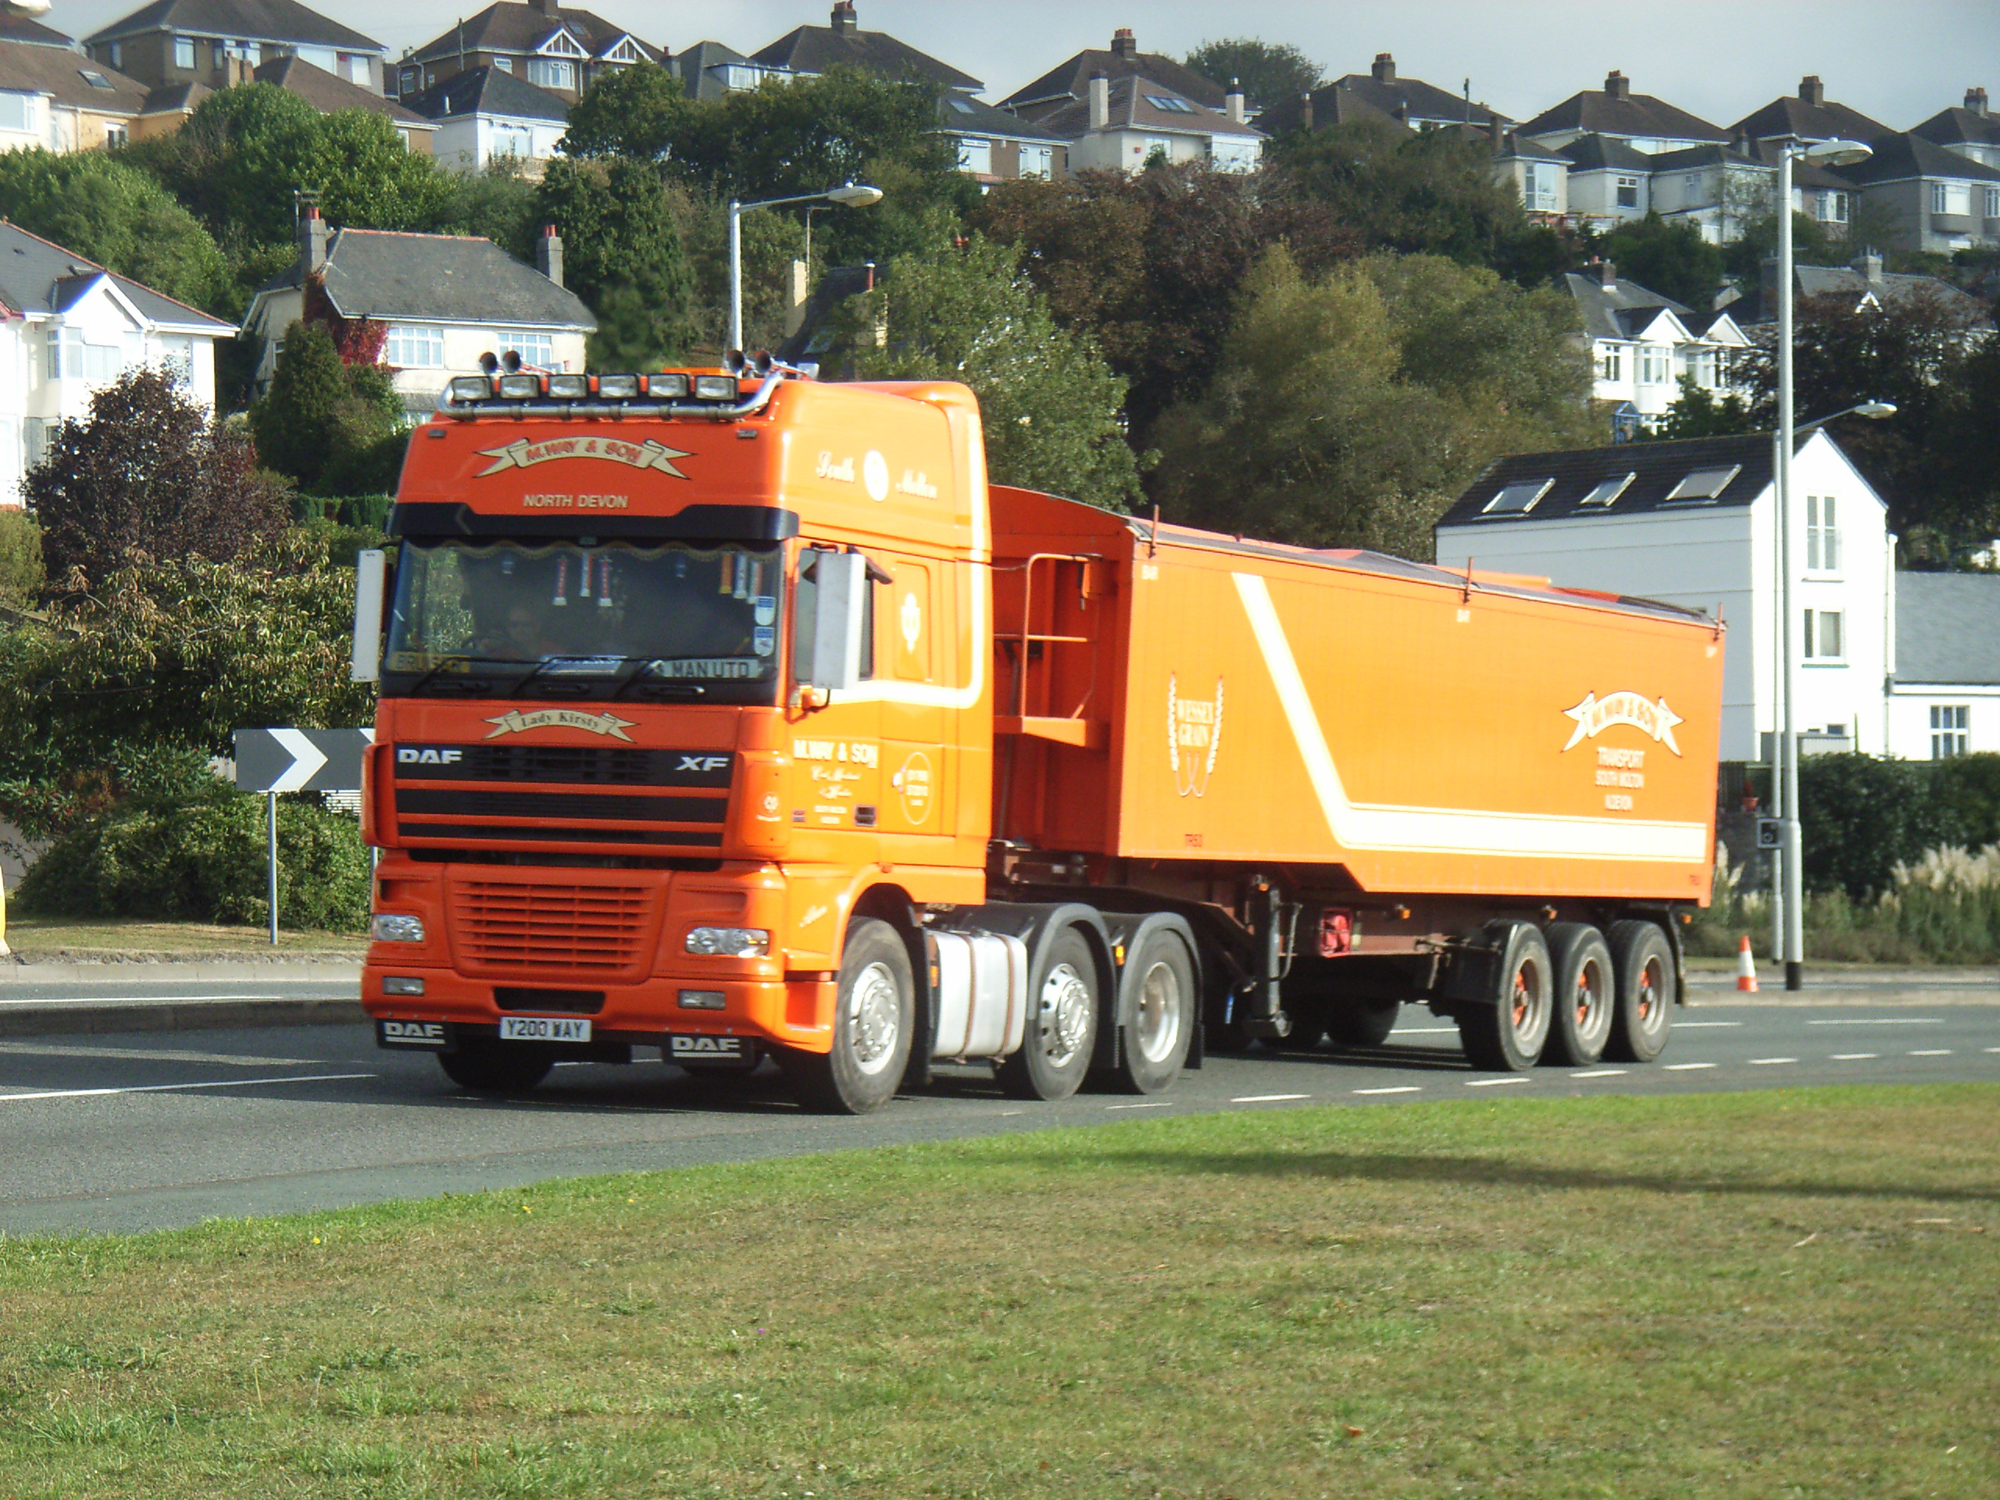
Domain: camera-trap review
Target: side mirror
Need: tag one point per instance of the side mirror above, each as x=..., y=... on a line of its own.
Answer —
x=829, y=645
x=371, y=572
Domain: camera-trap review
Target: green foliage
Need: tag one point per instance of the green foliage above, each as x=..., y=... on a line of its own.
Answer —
x=1963, y=455
x=1696, y=413
x=147, y=473
x=1267, y=71
x=1349, y=409
x=99, y=207
x=496, y=203
x=203, y=856
x=1670, y=259
x=1969, y=785
x=334, y=429
x=1860, y=816
x=621, y=250
x=21, y=570
x=640, y=111
x=1049, y=405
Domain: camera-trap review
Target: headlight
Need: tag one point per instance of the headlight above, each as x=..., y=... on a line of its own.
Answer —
x=402, y=984
x=704, y=1000
x=715, y=388
x=731, y=942
x=394, y=929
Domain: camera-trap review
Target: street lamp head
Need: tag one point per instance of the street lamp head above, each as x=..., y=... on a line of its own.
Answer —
x=855, y=195
x=1838, y=153
x=1876, y=409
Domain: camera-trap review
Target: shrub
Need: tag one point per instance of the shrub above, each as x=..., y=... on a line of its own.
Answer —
x=21, y=571
x=1861, y=816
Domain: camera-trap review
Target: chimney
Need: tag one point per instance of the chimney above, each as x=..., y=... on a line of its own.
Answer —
x=1607, y=271
x=1617, y=85
x=1232, y=102
x=1812, y=90
x=1384, y=68
x=548, y=254
x=548, y=8
x=1306, y=111
x=1124, y=44
x=312, y=242
x=1870, y=267
x=1100, y=100
x=1975, y=100
x=845, y=21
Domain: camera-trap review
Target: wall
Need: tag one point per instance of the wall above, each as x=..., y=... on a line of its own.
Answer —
x=1910, y=717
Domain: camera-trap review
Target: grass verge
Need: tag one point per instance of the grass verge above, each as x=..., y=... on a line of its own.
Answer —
x=1778, y=1294
x=51, y=939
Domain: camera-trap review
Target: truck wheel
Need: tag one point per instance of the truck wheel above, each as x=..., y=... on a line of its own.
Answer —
x=1062, y=1024
x=1309, y=1023
x=1506, y=1036
x=1364, y=1023
x=1586, y=993
x=1162, y=1023
x=874, y=1014
x=1644, y=966
x=487, y=1065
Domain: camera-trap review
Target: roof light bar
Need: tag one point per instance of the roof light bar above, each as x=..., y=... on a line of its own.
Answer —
x=520, y=387
x=466, y=388
x=715, y=388
x=666, y=385
x=616, y=387
x=569, y=387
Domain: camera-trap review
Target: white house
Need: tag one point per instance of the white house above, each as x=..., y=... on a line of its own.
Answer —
x=1125, y=123
x=447, y=299
x=1642, y=344
x=1944, y=677
x=69, y=327
x=486, y=113
x=1695, y=523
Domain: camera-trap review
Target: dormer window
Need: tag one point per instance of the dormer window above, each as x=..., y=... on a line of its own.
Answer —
x=1704, y=484
x=1516, y=499
x=1604, y=493
x=551, y=73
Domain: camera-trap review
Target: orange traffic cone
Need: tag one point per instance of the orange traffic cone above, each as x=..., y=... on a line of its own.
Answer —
x=1746, y=967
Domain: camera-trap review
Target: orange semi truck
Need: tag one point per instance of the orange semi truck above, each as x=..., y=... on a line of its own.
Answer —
x=740, y=716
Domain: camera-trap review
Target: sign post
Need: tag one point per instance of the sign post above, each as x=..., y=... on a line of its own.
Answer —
x=296, y=760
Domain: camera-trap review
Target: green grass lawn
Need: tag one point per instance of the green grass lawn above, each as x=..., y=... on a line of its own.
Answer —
x=50, y=938
x=1753, y=1295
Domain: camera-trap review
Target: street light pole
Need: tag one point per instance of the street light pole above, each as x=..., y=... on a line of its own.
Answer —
x=849, y=195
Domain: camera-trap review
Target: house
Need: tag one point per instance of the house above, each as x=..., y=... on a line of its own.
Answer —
x=1068, y=83
x=538, y=41
x=68, y=327
x=447, y=299
x=808, y=51
x=1642, y=344
x=1805, y=120
x=1862, y=284
x=1940, y=200
x=326, y=93
x=1716, y=188
x=1419, y=105
x=708, y=70
x=1324, y=108
x=210, y=42
x=1646, y=124
x=1971, y=132
x=486, y=113
x=1695, y=523
x=1944, y=675
x=1125, y=125
x=1539, y=174
x=1609, y=181
x=994, y=146
x=61, y=100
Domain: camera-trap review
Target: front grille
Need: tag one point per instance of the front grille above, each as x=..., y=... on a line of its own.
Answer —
x=587, y=765
x=566, y=1002
x=502, y=927
x=624, y=809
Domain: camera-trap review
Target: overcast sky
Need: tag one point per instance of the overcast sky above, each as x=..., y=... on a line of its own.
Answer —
x=1898, y=61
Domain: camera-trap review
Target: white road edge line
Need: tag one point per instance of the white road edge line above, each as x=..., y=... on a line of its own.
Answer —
x=1684, y=1067
x=1885, y=1021
x=1424, y=1030
x=1684, y=1025
x=1408, y=1088
x=63, y=1002
x=1149, y=1104
x=1267, y=1098
x=1931, y=1052
x=1765, y=1062
x=1487, y=1083
x=1993, y=1049
x=169, y=1088
x=1853, y=1056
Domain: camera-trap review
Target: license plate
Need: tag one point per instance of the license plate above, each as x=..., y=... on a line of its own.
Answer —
x=543, y=1029
x=722, y=1050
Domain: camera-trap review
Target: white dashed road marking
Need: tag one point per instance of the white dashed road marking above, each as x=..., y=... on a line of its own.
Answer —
x=1601, y=1073
x=1487, y=1083
x=1685, y=1067
x=1932, y=1052
x=1424, y=1031
x=1854, y=1056
x=1685, y=1025
x=1884, y=1021
x=1766, y=1062
x=1149, y=1104
x=1267, y=1098
x=1408, y=1088
x=169, y=1088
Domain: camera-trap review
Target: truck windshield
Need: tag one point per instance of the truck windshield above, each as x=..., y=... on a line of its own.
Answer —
x=559, y=620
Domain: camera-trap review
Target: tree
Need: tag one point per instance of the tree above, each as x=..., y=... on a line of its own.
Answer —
x=621, y=249
x=1696, y=413
x=1266, y=71
x=496, y=203
x=331, y=427
x=147, y=473
x=96, y=206
x=640, y=111
x=21, y=570
x=1050, y=407
x=1670, y=259
x=1350, y=408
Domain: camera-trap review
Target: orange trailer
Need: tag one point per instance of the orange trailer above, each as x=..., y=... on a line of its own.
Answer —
x=742, y=722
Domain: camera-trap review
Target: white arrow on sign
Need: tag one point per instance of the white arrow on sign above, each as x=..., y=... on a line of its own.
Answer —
x=306, y=759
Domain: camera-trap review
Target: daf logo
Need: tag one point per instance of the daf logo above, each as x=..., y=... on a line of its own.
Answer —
x=429, y=1033
x=723, y=1046
x=703, y=762
x=408, y=755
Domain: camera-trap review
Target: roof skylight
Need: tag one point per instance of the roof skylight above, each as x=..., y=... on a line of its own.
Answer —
x=94, y=78
x=1704, y=484
x=1604, y=493
x=1170, y=104
x=1516, y=499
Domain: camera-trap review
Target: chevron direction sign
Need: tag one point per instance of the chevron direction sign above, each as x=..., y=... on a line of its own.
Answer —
x=300, y=760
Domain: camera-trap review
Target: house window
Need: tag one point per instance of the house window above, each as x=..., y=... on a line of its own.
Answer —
x=1614, y=362
x=35, y=441
x=1628, y=192
x=975, y=156
x=114, y=137
x=1538, y=187
x=413, y=347
x=1832, y=208
x=1950, y=723
x=504, y=64
x=1170, y=104
x=1691, y=187
x=1655, y=364
x=184, y=53
x=1993, y=203
x=1823, y=638
x=551, y=73
x=17, y=111
x=1605, y=492
x=70, y=358
x=1037, y=161
x=537, y=349
x=1822, y=535
x=117, y=51
x=354, y=68
x=1705, y=484
x=1155, y=145
x=1951, y=198
x=1516, y=499
x=177, y=355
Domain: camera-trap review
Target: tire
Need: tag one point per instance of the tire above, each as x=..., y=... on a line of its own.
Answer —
x=1364, y=1023
x=1062, y=1024
x=1585, y=995
x=1309, y=1019
x=486, y=1065
x=874, y=1015
x=1506, y=1034
x=1644, y=1012
x=1161, y=1026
